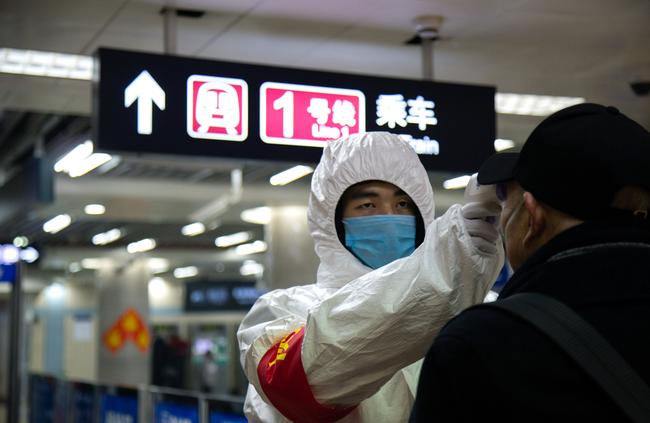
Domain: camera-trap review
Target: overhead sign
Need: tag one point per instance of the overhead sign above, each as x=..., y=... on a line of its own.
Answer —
x=220, y=296
x=147, y=103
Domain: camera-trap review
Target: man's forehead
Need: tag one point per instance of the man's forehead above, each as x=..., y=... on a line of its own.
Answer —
x=374, y=188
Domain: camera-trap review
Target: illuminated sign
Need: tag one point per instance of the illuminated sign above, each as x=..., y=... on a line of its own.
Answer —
x=146, y=92
x=217, y=108
x=305, y=115
x=220, y=296
x=188, y=106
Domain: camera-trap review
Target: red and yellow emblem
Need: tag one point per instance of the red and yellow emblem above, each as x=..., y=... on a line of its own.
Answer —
x=128, y=327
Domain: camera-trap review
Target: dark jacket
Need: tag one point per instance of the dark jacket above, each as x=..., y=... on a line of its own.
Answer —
x=488, y=366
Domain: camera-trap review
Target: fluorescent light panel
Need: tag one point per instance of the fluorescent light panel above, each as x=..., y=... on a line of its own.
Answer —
x=45, y=63
x=81, y=160
x=95, y=209
x=290, y=175
x=252, y=248
x=57, y=223
x=185, y=272
x=89, y=164
x=94, y=263
x=77, y=154
x=532, y=105
x=251, y=267
x=456, y=183
x=259, y=215
x=158, y=265
x=107, y=237
x=232, y=239
x=141, y=246
x=193, y=229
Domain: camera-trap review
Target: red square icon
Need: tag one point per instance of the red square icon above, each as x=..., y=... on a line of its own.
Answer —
x=307, y=115
x=217, y=108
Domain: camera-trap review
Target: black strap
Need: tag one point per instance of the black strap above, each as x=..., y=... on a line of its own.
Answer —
x=586, y=347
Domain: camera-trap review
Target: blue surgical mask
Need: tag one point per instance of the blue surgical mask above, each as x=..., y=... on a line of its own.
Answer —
x=380, y=239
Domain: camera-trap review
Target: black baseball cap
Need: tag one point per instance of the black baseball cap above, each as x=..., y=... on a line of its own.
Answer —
x=576, y=160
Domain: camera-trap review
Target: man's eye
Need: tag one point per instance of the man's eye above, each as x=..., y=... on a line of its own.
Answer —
x=405, y=204
x=366, y=206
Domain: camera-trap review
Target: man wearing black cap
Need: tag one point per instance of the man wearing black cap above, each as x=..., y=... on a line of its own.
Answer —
x=576, y=225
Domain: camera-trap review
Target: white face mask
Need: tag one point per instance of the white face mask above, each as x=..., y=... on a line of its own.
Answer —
x=502, y=229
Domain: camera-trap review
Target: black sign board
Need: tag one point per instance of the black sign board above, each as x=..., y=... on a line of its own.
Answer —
x=148, y=103
x=220, y=296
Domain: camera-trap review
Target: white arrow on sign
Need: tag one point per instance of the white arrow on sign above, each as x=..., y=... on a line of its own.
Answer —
x=146, y=91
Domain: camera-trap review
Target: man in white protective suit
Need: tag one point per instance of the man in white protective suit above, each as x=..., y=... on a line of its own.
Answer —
x=349, y=347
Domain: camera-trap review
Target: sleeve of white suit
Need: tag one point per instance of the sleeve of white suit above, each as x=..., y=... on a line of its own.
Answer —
x=359, y=337
x=330, y=354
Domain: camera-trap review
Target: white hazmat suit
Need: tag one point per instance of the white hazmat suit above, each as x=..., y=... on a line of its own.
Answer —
x=348, y=347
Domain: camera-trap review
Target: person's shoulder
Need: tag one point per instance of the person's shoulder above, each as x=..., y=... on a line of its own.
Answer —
x=481, y=325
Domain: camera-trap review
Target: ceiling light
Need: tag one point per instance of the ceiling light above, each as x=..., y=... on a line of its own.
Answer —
x=94, y=209
x=45, y=63
x=456, y=183
x=290, y=175
x=158, y=265
x=186, y=272
x=29, y=255
x=107, y=237
x=252, y=248
x=94, y=263
x=57, y=223
x=141, y=246
x=77, y=154
x=55, y=292
x=90, y=163
x=233, y=239
x=158, y=288
x=501, y=144
x=193, y=229
x=532, y=105
x=9, y=254
x=110, y=165
x=251, y=268
x=259, y=215
x=21, y=241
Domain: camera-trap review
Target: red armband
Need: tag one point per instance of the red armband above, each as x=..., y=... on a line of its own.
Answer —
x=285, y=384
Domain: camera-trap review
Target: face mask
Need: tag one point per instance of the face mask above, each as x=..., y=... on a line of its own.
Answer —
x=380, y=239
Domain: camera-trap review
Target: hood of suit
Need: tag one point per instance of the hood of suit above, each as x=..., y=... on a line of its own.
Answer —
x=345, y=162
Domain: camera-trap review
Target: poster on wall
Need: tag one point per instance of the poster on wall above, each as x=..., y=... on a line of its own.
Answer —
x=163, y=104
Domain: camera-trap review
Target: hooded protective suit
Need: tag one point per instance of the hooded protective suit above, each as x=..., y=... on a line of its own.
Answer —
x=347, y=348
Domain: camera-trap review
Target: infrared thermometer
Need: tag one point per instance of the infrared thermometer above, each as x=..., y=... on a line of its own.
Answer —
x=475, y=192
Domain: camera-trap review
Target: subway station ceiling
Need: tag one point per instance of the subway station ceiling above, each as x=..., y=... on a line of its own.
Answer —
x=584, y=48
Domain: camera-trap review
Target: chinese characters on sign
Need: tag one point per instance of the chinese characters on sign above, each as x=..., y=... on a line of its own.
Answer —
x=392, y=110
x=305, y=115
